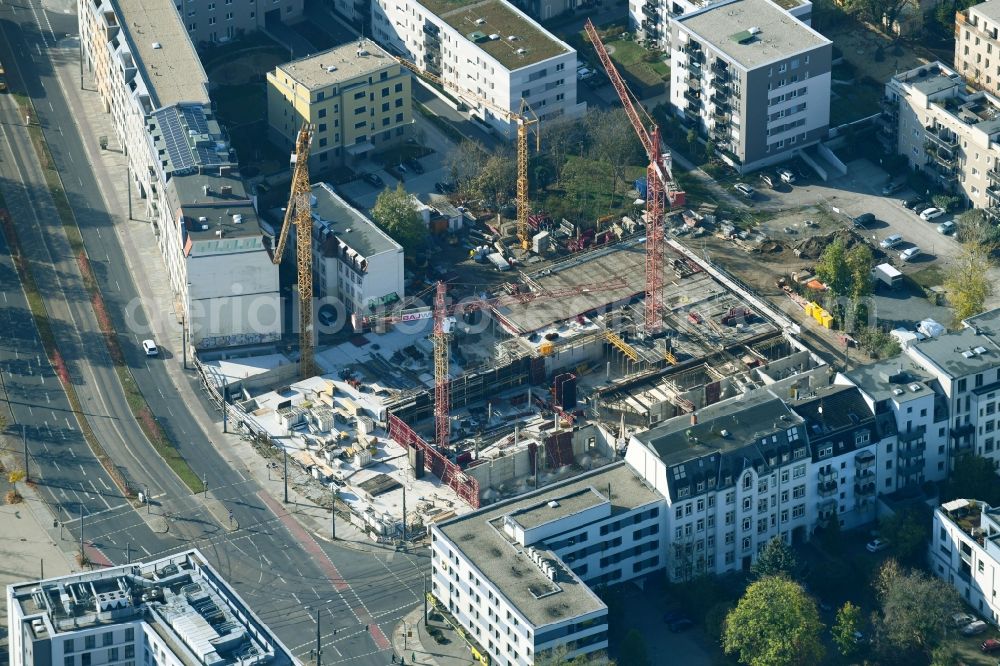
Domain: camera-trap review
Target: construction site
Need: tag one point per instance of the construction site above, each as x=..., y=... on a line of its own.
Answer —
x=462, y=396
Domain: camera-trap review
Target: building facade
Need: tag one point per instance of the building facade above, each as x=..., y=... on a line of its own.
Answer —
x=175, y=611
x=223, y=20
x=951, y=134
x=964, y=552
x=356, y=96
x=650, y=19
x=356, y=265
x=486, y=51
x=752, y=78
x=977, y=47
x=181, y=168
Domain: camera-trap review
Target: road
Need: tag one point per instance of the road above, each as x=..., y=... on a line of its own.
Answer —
x=280, y=569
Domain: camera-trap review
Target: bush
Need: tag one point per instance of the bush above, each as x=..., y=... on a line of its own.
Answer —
x=14, y=497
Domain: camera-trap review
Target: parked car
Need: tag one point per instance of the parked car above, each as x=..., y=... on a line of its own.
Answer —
x=974, y=628
x=962, y=619
x=149, y=347
x=931, y=213
x=414, y=164
x=876, y=545
x=767, y=179
x=373, y=179
x=680, y=624
x=786, y=175
x=946, y=228
x=916, y=205
x=892, y=188
x=890, y=242
x=744, y=189
x=909, y=254
x=862, y=221
x=990, y=645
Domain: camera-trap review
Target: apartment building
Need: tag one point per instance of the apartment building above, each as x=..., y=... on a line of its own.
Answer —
x=965, y=553
x=650, y=19
x=912, y=396
x=752, y=78
x=929, y=116
x=182, y=169
x=965, y=365
x=489, y=54
x=222, y=20
x=357, y=97
x=173, y=611
x=356, y=265
x=517, y=575
x=977, y=46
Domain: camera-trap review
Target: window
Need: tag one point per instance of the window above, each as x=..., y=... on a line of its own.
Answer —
x=399, y=117
x=129, y=651
x=322, y=113
x=747, y=503
x=68, y=660
x=322, y=142
x=113, y=654
x=85, y=659
x=130, y=634
x=398, y=87
x=68, y=646
x=89, y=642
x=730, y=517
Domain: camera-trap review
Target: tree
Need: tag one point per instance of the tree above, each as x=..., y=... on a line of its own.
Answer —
x=614, y=142
x=973, y=476
x=882, y=13
x=395, y=211
x=776, y=559
x=974, y=228
x=859, y=262
x=775, y=624
x=633, y=650
x=848, y=622
x=560, y=140
x=465, y=162
x=709, y=150
x=496, y=182
x=966, y=281
x=945, y=202
x=832, y=269
x=913, y=608
x=908, y=532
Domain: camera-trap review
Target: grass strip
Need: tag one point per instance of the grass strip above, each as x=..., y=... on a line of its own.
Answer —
x=140, y=409
x=446, y=128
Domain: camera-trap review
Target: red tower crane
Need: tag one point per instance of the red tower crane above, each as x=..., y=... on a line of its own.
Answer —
x=659, y=186
x=442, y=335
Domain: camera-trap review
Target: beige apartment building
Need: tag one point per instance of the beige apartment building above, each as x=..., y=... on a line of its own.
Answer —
x=952, y=134
x=977, y=46
x=356, y=95
x=222, y=20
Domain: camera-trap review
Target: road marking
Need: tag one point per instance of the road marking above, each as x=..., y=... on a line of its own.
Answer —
x=47, y=398
x=117, y=286
x=104, y=483
x=52, y=108
x=68, y=424
x=81, y=181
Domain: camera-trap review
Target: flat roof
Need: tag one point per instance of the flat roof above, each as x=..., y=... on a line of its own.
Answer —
x=497, y=17
x=231, y=211
x=512, y=571
x=960, y=353
x=163, y=50
x=752, y=32
x=881, y=380
x=930, y=79
x=990, y=9
x=314, y=71
x=543, y=512
x=348, y=224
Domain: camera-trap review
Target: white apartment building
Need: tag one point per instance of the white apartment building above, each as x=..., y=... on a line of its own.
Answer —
x=977, y=46
x=356, y=265
x=222, y=20
x=182, y=169
x=950, y=133
x=650, y=19
x=965, y=365
x=912, y=396
x=175, y=611
x=517, y=575
x=751, y=78
x=490, y=49
x=964, y=552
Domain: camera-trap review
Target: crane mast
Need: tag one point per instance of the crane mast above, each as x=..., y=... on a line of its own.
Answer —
x=658, y=187
x=299, y=214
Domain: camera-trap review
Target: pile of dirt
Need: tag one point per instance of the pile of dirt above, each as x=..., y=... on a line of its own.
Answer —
x=770, y=247
x=813, y=246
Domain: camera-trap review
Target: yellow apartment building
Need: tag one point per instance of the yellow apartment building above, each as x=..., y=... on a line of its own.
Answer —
x=356, y=95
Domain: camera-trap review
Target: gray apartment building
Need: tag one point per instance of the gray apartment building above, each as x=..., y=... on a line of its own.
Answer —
x=752, y=78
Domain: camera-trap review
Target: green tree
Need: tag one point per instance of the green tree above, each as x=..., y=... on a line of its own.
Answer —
x=496, y=182
x=908, y=532
x=692, y=141
x=776, y=559
x=613, y=142
x=396, y=212
x=967, y=283
x=882, y=13
x=561, y=139
x=973, y=476
x=913, y=608
x=945, y=202
x=832, y=268
x=775, y=624
x=859, y=262
x=709, y=150
x=974, y=228
x=633, y=650
x=848, y=621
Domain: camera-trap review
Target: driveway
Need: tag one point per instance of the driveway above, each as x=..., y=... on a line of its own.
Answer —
x=641, y=612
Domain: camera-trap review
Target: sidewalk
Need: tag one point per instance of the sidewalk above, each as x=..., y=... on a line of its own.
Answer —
x=412, y=642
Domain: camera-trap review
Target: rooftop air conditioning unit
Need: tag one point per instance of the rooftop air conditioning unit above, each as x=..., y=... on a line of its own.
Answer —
x=521, y=51
x=915, y=387
x=494, y=37
x=480, y=21
x=331, y=68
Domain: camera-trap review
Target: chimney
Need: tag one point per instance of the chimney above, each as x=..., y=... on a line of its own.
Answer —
x=694, y=419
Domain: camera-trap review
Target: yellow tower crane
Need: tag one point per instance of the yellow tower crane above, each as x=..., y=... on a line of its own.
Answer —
x=523, y=120
x=299, y=213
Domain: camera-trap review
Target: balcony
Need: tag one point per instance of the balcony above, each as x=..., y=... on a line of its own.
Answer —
x=721, y=88
x=993, y=193
x=431, y=29
x=865, y=489
x=908, y=466
x=649, y=27
x=940, y=155
x=692, y=112
x=827, y=488
x=721, y=118
x=827, y=474
x=942, y=137
x=652, y=12
x=694, y=54
x=993, y=174
x=694, y=68
x=993, y=212
x=720, y=67
x=864, y=460
x=694, y=83
x=693, y=97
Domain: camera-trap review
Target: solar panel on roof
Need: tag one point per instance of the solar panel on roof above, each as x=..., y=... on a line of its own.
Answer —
x=178, y=149
x=194, y=117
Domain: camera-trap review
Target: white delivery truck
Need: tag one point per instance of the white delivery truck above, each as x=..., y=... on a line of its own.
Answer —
x=888, y=275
